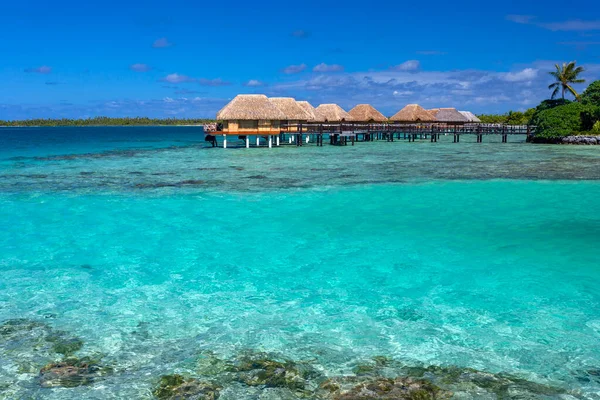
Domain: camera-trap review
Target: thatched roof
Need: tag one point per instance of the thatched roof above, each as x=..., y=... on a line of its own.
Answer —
x=315, y=116
x=290, y=108
x=333, y=113
x=413, y=113
x=450, y=115
x=470, y=116
x=366, y=113
x=250, y=107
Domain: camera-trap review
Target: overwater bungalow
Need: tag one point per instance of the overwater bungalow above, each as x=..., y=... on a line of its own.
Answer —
x=366, y=113
x=470, y=116
x=294, y=113
x=449, y=116
x=251, y=114
x=314, y=115
x=333, y=113
x=413, y=113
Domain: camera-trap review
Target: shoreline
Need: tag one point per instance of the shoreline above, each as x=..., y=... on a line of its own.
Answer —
x=577, y=140
x=94, y=126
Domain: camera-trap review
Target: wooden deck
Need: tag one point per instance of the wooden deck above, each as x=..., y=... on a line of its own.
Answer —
x=345, y=133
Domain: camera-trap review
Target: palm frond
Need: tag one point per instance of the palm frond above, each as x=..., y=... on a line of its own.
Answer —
x=565, y=75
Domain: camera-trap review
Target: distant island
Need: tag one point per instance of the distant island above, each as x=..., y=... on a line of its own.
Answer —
x=107, y=121
x=510, y=118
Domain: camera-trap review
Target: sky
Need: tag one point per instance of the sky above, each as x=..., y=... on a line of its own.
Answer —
x=187, y=59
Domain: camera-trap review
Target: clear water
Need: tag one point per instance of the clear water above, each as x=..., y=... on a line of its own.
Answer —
x=153, y=248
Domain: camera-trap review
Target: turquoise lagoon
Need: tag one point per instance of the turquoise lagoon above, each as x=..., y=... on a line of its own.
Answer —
x=154, y=249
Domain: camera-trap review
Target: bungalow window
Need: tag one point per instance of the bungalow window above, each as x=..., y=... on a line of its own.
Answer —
x=248, y=124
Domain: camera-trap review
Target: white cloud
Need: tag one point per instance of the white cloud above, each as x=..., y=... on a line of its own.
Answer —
x=161, y=43
x=410, y=65
x=572, y=25
x=140, y=67
x=177, y=78
x=328, y=68
x=389, y=90
x=254, y=83
x=526, y=74
x=294, y=69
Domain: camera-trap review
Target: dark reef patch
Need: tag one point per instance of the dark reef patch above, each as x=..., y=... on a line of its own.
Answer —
x=176, y=387
x=72, y=372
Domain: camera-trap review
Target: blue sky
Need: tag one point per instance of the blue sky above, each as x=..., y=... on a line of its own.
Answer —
x=187, y=59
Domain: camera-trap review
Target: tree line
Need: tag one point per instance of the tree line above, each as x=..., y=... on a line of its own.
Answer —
x=107, y=121
x=510, y=118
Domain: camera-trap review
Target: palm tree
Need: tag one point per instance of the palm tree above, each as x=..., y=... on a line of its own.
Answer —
x=566, y=75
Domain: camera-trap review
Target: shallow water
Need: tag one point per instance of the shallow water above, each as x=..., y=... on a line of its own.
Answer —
x=475, y=255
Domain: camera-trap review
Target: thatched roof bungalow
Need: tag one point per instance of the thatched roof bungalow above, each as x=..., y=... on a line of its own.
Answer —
x=333, y=113
x=251, y=114
x=449, y=116
x=293, y=112
x=413, y=113
x=470, y=116
x=366, y=113
x=315, y=116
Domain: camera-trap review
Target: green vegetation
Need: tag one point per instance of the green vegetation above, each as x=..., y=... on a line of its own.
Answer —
x=565, y=76
x=510, y=118
x=106, y=121
x=591, y=95
x=558, y=118
x=562, y=120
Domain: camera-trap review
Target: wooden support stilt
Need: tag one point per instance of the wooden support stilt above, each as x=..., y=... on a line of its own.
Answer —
x=224, y=141
x=247, y=142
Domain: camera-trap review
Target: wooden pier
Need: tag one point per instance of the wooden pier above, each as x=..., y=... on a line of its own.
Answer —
x=344, y=134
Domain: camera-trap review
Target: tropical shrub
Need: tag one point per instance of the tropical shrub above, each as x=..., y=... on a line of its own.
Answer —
x=596, y=127
x=591, y=95
x=561, y=121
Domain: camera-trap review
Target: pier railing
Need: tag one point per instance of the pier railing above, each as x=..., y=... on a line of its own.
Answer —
x=342, y=133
